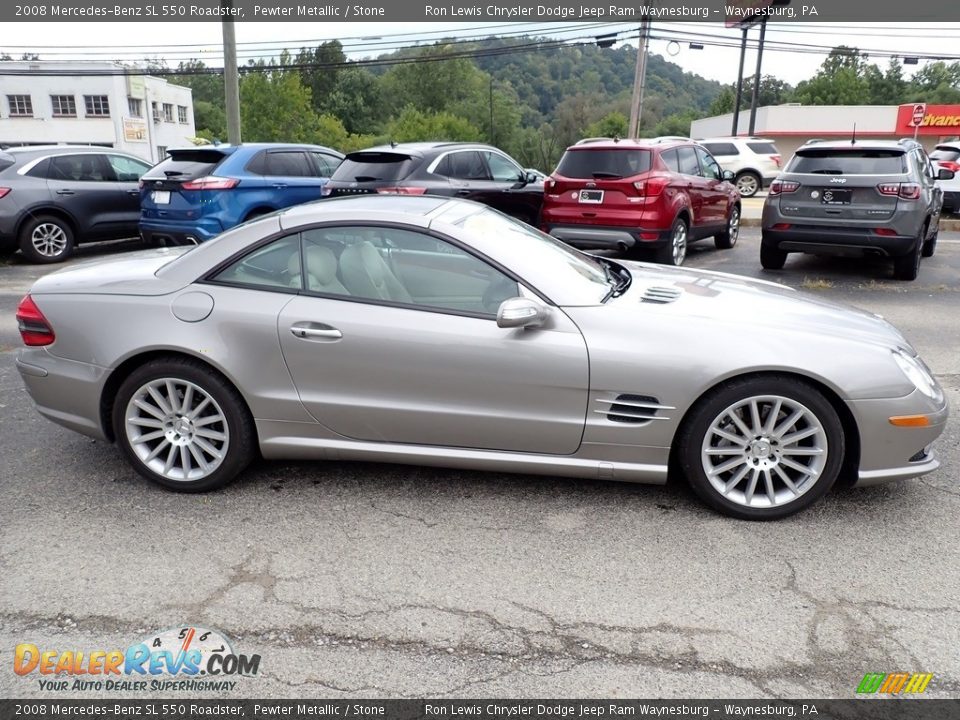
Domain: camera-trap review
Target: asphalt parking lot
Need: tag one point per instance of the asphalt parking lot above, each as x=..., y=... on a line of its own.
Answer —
x=365, y=580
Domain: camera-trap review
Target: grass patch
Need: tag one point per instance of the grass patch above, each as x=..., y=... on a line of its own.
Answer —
x=816, y=284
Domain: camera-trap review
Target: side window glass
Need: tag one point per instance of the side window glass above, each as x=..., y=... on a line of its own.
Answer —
x=403, y=267
x=468, y=165
x=326, y=164
x=127, y=169
x=671, y=160
x=289, y=164
x=271, y=267
x=87, y=167
x=688, y=160
x=444, y=167
x=709, y=166
x=502, y=169
x=258, y=164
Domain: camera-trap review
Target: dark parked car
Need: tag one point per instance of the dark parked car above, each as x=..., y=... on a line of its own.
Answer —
x=871, y=197
x=198, y=192
x=465, y=170
x=56, y=196
x=641, y=194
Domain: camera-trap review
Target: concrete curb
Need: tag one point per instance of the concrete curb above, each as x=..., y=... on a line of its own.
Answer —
x=945, y=224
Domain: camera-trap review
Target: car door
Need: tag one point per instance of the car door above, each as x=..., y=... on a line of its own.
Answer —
x=466, y=173
x=695, y=184
x=291, y=177
x=715, y=198
x=127, y=172
x=84, y=185
x=417, y=357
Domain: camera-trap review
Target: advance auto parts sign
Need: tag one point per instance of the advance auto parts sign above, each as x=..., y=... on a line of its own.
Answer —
x=939, y=120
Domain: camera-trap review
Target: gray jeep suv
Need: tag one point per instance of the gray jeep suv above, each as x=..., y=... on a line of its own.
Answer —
x=875, y=197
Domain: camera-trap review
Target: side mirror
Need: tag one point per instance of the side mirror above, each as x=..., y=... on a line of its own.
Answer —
x=519, y=312
x=944, y=174
x=727, y=175
x=530, y=178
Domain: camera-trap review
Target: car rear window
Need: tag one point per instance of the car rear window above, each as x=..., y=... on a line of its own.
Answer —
x=186, y=165
x=831, y=161
x=948, y=154
x=606, y=163
x=373, y=167
x=763, y=148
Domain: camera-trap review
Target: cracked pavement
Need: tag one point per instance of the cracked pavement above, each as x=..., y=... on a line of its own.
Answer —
x=367, y=580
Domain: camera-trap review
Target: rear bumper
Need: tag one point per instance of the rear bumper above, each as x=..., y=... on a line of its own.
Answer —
x=179, y=233
x=603, y=237
x=837, y=241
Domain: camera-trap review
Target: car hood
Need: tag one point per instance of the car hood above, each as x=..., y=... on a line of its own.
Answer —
x=749, y=305
x=130, y=274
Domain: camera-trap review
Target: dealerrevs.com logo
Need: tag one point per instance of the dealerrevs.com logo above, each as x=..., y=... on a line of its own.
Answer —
x=181, y=658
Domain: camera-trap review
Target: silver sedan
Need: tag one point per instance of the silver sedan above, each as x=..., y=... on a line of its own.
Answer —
x=440, y=332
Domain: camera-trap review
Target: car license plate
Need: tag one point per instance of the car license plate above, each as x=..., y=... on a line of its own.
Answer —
x=161, y=197
x=829, y=196
x=591, y=196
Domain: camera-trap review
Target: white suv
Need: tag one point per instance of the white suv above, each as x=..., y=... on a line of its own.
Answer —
x=755, y=162
x=947, y=157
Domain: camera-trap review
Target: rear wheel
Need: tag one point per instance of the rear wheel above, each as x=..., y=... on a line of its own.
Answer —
x=675, y=252
x=930, y=246
x=748, y=184
x=46, y=239
x=183, y=426
x=762, y=448
x=907, y=267
x=728, y=238
x=771, y=258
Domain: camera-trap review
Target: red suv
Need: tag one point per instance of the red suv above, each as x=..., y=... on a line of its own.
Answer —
x=636, y=194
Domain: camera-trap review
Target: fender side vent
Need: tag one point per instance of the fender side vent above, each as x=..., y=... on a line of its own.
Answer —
x=660, y=295
x=632, y=409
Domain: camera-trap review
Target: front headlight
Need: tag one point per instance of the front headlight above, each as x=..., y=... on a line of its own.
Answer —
x=917, y=373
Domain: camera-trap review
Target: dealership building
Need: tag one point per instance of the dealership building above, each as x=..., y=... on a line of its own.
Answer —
x=93, y=103
x=791, y=125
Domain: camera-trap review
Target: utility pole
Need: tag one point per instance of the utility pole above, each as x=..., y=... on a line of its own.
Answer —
x=639, y=81
x=231, y=76
x=736, y=104
x=755, y=99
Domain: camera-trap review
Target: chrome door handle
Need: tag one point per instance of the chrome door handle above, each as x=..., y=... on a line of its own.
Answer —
x=65, y=192
x=305, y=332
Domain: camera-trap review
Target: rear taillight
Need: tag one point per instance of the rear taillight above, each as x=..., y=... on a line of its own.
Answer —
x=402, y=190
x=776, y=159
x=210, y=182
x=906, y=191
x=651, y=187
x=885, y=231
x=781, y=226
x=945, y=164
x=33, y=326
x=779, y=187
x=4, y=192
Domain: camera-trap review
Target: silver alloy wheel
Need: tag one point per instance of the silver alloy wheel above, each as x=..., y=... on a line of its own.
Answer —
x=177, y=429
x=678, y=243
x=49, y=239
x=747, y=185
x=733, y=227
x=764, y=451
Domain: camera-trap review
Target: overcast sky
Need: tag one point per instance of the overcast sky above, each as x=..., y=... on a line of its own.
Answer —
x=797, y=58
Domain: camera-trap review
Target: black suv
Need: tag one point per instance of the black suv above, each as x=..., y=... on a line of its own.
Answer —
x=55, y=196
x=466, y=170
x=869, y=197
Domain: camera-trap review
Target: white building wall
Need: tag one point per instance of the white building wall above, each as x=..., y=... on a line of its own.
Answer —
x=138, y=136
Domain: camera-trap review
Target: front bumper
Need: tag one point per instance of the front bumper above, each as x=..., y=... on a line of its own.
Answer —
x=888, y=452
x=833, y=240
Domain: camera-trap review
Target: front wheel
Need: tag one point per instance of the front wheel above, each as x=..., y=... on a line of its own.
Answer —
x=728, y=238
x=675, y=252
x=46, y=239
x=183, y=426
x=762, y=448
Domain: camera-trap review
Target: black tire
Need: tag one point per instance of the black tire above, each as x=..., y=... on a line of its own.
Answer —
x=675, y=251
x=714, y=406
x=46, y=239
x=235, y=423
x=930, y=245
x=748, y=183
x=771, y=258
x=907, y=267
x=728, y=238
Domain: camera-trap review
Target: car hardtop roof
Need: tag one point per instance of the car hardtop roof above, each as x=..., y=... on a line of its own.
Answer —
x=367, y=206
x=903, y=145
x=629, y=143
x=730, y=138
x=419, y=149
x=22, y=149
x=227, y=148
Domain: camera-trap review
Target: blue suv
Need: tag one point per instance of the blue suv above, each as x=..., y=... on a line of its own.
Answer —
x=198, y=192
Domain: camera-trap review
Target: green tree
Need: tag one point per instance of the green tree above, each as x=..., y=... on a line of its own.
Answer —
x=612, y=124
x=275, y=107
x=841, y=80
x=357, y=101
x=414, y=124
x=321, y=74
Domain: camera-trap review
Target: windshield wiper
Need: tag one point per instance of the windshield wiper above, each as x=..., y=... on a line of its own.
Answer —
x=607, y=175
x=366, y=178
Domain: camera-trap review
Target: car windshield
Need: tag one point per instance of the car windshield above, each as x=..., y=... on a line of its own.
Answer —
x=556, y=258
x=604, y=163
x=831, y=161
